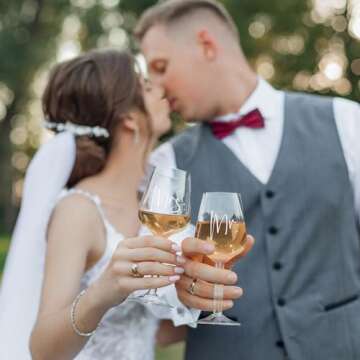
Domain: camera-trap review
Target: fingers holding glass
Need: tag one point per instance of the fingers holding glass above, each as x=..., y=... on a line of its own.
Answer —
x=154, y=268
x=208, y=273
x=205, y=289
x=145, y=268
x=153, y=242
x=249, y=243
x=221, y=224
x=197, y=302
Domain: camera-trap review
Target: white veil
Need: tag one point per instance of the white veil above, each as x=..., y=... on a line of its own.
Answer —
x=46, y=176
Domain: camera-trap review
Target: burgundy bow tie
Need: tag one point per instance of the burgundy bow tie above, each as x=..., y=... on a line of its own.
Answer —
x=253, y=119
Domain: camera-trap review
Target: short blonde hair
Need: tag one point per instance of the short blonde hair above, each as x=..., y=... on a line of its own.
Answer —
x=170, y=11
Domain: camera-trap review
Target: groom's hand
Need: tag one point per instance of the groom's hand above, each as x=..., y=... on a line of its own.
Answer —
x=200, y=296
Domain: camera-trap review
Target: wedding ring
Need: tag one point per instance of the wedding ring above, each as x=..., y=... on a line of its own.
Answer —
x=191, y=289
x=135, y=271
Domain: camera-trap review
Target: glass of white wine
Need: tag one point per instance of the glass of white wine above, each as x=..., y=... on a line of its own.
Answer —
x=221, y=223
x=165, y=209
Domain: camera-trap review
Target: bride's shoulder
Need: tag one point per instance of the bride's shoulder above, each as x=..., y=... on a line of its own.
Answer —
x=77, y=213
x=74, y=200
x=75, y=231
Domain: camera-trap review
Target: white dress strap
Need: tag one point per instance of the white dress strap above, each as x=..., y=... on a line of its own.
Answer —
x=110, y=229
x=94, y=198
x=112, y=236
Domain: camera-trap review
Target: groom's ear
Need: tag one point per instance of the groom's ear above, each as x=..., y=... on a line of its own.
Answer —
x=208, y=44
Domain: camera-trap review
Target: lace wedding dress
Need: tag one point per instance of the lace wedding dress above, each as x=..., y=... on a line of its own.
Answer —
x=127, y=331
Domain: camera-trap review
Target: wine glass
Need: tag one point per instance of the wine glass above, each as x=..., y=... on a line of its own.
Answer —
x=165, y=209
x=221, y=223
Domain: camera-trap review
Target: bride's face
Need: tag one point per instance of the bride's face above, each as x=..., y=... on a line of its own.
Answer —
x=158, y=109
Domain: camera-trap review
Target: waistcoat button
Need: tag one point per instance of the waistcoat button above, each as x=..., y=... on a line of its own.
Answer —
x=273, y=230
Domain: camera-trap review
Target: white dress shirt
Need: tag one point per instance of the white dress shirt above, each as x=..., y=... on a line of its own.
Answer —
x=258, y=149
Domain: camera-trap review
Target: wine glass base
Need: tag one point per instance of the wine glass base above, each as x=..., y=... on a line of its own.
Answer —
x=218, y=319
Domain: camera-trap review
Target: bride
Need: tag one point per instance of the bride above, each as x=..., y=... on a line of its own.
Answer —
x=80, y=208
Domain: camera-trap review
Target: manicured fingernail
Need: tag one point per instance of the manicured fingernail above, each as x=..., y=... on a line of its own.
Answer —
x=175, y=247
x=238, y=291
x=180, y=260
x=232, y=277
x=174, y=278
x=179, y=270
x=209, y=248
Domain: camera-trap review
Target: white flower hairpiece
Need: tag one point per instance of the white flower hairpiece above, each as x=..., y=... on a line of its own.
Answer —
x=77, y=130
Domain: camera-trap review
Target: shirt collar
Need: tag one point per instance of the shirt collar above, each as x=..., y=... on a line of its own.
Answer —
x=261, y=98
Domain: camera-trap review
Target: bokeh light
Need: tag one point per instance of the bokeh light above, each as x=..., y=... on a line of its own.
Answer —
x=293, y=44
x=265, y=67
x=355, y=66
x=18, y=135
x=354, y=24
x=20, y=160
x=111, y=20
x=108, y=4
x=68, y=49
x=84, y=4
x=324, y=9
x=257, y=29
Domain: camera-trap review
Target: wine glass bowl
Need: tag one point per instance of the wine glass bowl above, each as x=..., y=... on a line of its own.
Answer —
x=228, y=237
x=165, y=209
x=221, y=223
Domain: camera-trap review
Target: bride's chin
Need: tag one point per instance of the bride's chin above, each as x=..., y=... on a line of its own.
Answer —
x=162, y=129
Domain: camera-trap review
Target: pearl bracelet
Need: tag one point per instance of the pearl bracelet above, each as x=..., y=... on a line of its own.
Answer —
x=72, y=317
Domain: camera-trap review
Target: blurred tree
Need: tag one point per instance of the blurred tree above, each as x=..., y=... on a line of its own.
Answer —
x=308, y=45
x=29, y=39
x=302, y=45
x=27, y=30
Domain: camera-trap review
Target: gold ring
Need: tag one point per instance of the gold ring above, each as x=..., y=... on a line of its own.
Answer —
x=191, y=289
x=135, y=271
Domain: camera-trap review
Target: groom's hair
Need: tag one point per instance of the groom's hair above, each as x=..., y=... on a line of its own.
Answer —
x=171, y=12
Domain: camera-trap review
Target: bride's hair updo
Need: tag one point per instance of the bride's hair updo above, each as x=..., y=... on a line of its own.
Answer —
x=94, y=89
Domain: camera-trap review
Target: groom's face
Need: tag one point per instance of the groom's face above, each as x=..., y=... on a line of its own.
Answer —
x=177, y=63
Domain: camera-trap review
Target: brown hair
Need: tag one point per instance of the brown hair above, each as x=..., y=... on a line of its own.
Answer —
x=172, y=10
x=94, y=89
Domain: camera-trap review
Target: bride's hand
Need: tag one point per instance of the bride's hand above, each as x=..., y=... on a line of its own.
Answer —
x=135, y=258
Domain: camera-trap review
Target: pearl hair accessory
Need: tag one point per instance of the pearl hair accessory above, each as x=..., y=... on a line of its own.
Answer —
x=77, y=130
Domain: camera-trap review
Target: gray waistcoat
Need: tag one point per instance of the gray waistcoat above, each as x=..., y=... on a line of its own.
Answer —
x=302, y=278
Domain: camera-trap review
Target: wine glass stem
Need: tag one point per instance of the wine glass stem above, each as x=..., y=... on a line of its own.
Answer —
x=218, y=293
x=156, y=290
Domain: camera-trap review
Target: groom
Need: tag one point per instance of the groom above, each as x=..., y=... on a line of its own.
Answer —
x=295, y=158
